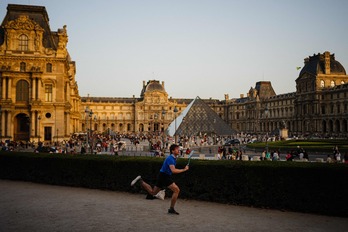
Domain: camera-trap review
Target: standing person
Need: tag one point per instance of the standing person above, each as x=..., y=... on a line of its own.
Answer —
x=164, y=179
x=338, y=157
x=263, y=155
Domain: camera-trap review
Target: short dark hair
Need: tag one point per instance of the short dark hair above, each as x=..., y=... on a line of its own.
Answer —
x=172, y=147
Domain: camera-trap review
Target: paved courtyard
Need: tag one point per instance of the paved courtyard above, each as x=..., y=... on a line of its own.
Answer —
x=28, y=206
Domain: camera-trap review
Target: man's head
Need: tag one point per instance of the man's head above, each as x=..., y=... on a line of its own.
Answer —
x=174, y=149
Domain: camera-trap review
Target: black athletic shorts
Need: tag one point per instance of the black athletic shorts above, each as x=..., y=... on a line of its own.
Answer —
x=164, y=180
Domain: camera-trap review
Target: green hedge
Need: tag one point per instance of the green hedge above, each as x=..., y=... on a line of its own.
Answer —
x=306, y=187
x=311, y=145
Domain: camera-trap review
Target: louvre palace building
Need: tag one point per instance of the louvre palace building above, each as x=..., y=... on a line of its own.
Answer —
x=40, y=98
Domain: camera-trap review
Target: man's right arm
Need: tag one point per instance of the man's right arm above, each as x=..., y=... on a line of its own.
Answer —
x=176, y=171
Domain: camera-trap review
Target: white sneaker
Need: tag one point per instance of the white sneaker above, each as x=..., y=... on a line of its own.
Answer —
x=161, y=194
x=135, y=180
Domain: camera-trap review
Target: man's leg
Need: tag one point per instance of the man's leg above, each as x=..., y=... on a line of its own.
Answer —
x=175, y=195
x=146, y=186
x=149, y=189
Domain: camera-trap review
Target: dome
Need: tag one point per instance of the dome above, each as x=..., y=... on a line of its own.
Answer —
x=152, y=85
x=316, y=65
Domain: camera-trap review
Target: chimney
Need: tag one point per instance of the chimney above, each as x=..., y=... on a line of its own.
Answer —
x=143, y=83
x=227, y=97
x=327, y=62
x=163, y=84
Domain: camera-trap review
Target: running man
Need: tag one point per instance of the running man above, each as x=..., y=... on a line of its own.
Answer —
x=164, y=179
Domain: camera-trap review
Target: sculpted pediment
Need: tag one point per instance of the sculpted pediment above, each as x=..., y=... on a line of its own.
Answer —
x=23, y=22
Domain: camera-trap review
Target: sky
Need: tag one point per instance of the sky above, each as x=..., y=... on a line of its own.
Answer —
x=197, y=47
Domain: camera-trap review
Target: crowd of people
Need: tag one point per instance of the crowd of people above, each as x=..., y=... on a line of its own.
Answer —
x=158, y=142
x=336, y=156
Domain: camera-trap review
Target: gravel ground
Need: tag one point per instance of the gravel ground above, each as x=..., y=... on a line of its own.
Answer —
x=35, y=207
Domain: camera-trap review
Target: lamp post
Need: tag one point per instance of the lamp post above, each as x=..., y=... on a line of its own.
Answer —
x=214, y=132
x=39, y=118
x=175, y=111
x=163, y=117
x=87, y=114
x=95, y=118
x=155, y=124
x=90, y=129
x=266, y=115
x=0, y=126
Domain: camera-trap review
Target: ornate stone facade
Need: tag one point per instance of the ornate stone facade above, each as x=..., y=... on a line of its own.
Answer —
x=40, y=98
x=39, y=94
x=152, y=112
x=319, y=107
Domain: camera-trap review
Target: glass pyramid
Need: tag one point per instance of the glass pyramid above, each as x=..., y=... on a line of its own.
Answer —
x=198, y=118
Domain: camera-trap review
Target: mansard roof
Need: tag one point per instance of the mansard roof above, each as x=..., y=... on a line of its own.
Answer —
x=284, y=96
x=109, y=99
x=264, y=89
x=315, y=65
x=151, y=86
x=38, y=14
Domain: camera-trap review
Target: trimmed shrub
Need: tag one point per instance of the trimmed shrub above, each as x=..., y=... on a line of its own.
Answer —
x=306, y=187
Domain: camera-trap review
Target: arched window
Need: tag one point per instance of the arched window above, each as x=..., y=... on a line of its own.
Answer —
x=23, y=43
x=332, y=84
x=22, y=91
x=342, y=82
x=48, y=67
x=22, y=67
x=322, y=84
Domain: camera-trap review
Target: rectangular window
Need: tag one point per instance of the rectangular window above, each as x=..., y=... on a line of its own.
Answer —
x=49, y=67
x=22, y=67
x=23, y=43
x=48, y=93
x=48, y=133
x=22, y=91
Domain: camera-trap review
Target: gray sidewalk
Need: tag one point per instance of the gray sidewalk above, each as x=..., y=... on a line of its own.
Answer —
x=35, y=207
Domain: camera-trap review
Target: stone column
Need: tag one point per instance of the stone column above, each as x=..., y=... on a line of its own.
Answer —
x=33, y=88
x=2, y=129
x=9, y=88
x=4, y=124
x=38, y=90
x=33, y=127
x=3, y=94
x=9, y=124
x=67, y=126
x=67, y=91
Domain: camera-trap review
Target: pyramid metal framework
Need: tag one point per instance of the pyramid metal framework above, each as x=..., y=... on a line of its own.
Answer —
x=198, y=119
